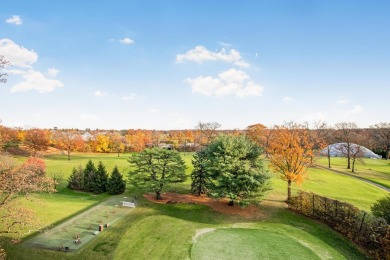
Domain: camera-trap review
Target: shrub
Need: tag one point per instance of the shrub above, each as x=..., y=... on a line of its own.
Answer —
x=370, y=232
x=381, y=208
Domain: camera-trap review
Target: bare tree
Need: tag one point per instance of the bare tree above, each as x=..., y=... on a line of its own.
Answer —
x=323, y=137
x=208, y=130
x=345, y=131
x=3, y=64
x=382, y=133
x=360, y=139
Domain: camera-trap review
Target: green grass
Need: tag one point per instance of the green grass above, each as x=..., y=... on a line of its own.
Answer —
x=333, y=185
x=246, y=243
x=371, y=169
x=155, y=231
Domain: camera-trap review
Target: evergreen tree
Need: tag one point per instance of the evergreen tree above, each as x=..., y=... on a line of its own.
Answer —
x=89, y=176
x=155, y=167
x=76, y=179
x=116, y=184
x=100, y=179
x=236, y=170
x=199, y=176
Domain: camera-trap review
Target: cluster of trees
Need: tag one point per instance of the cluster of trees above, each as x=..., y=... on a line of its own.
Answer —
x=37, y=140
x=321, y=134
x=376, y=138
x=228, y=167
x=96, y=180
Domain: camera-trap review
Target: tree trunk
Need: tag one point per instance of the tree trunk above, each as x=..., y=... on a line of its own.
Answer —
x=329, y=157
x=387, y=153
x=68, y=155
x=200, y=190
x=353, y=164
x=158, y=195
x=349, y=156
x=231, y=203
x=288, y=190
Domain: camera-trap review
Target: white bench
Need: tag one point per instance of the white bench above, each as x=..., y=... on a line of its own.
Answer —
x=128, y=204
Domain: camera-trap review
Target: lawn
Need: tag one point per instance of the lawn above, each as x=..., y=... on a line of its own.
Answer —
x=155, y=231
x=371, y=169
x=249, y=243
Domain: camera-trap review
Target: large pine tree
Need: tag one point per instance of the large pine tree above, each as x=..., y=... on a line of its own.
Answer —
x=100, y=179
x=155, y=167
x=89, y=176
x=116, y=184
x=236, y=170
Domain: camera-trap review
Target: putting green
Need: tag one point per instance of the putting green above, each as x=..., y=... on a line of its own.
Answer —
x=243, y=243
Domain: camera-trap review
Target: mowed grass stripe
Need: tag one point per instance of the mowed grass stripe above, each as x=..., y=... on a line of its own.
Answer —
x=240, y=243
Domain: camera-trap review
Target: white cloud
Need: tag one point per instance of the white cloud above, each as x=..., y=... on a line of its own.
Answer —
x=99, y=93
x=225, y=44
x=17, y=55
x=356, y=110
x=15, y=19
x=23, y=59
x=342, y=101
x=287, y=99
x=130, y=97
x=230, y=82
x=127, y=41
x=35, y=80
x=201, y=54
x=52, y=72
x=88, y=117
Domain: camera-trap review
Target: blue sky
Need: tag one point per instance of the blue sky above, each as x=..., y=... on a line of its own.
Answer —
x=170, y=64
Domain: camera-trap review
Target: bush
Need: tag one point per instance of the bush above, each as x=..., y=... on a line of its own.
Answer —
x=370, y=232
x=381, y=208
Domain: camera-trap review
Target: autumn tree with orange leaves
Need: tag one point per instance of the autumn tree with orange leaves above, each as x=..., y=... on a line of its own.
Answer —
x=291, y=150
x=256, y=133
x=17, y=181
x=37, y=140
x=68, y=139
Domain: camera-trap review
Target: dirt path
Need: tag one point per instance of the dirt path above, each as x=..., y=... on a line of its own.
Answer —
x=357, y=177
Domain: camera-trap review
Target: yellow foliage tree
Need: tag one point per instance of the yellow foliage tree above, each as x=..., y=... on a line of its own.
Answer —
x=290, y=150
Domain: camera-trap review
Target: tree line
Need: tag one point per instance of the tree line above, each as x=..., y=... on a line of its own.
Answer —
x=96, y=179
x=35, y=140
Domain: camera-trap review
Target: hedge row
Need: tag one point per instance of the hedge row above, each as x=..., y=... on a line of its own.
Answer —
x=371, y=233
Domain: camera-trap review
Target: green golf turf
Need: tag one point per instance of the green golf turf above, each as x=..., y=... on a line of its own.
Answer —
x=241, y=243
